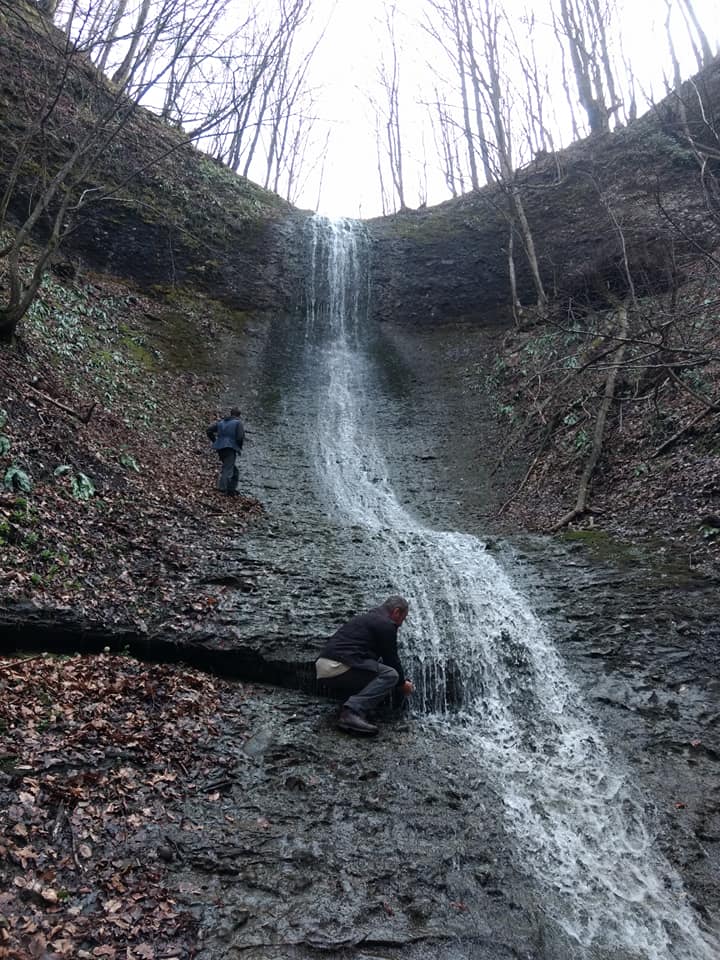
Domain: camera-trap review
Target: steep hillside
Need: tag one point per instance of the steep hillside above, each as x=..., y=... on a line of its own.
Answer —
x=150, y=206
x=144, y=328
x=606, y=403
x=634, y=200
x=107, y=499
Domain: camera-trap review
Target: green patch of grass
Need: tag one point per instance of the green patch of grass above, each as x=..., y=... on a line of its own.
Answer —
x=590, y=535
x=183, y=348
x=139, y=352
x=619, y=553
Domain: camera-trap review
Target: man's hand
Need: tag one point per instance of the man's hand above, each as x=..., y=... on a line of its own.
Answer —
x=407, y=688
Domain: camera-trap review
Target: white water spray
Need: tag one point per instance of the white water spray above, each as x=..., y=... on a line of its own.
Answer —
x=578, y=823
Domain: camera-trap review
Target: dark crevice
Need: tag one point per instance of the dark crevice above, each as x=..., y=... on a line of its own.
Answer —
x=34, y=631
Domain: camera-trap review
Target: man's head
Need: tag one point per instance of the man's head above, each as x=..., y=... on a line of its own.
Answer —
x=234, y=411
x=397, y=607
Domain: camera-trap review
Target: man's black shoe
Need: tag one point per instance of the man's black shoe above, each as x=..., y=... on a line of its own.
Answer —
x=353, y=723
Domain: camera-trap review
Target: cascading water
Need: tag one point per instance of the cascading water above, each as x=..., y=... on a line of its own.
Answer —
x=484, y=666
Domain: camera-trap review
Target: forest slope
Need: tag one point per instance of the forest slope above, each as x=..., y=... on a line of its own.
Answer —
x=149, y=207
x=608, y=400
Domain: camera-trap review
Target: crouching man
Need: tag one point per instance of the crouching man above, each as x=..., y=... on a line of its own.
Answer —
x=361, y=660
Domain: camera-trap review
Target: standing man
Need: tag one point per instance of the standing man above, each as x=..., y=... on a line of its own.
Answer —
x=227, y=437
x=361, y=659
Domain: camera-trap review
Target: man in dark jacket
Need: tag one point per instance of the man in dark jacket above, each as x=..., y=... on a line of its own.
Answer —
x=227, y=437
x=361, y=658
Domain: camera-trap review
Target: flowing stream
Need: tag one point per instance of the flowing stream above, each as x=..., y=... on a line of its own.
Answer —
x=484, y=666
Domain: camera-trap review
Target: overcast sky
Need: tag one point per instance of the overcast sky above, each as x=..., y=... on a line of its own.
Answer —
x=345, y=71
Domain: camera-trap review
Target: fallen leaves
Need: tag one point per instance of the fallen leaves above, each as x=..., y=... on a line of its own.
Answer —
x=127, y=553
x=98, y=747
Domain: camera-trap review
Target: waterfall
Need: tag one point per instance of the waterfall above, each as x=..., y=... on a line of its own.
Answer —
x=485, y=667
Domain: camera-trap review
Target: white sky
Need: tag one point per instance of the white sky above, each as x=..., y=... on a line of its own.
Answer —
x=345, y=68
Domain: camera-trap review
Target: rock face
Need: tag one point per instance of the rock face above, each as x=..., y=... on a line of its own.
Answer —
x=635, y=192
x=249, y=267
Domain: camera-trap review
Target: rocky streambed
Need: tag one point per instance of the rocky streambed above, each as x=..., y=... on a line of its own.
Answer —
x=636, y=630
x=408, y=845
x=308, y=843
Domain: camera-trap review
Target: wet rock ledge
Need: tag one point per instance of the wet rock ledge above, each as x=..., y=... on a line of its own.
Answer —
x=25, y=628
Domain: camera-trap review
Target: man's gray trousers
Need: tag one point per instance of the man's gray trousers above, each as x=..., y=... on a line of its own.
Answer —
x=372, y=688
x=229, y=473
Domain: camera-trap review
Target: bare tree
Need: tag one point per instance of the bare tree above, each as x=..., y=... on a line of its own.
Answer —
x=292, y=115
x=477, y=82
x=380, y=154
x=445, y=138
x=60, y=191
x=228, y=59
x=97, y=113
x=584, y=26
x=388, y=74
x=695, y=29
x=239, y=85
x=447, y=22
x=536, y=95
x=497, y=91
x=193, y=47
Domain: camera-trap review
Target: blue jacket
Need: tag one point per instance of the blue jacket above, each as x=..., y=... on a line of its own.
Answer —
x=228, y=432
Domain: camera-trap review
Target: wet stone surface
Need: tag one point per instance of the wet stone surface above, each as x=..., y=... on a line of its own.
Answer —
x=640, y=634
x=636, y=629
x=310, y=841
x=639, y=638
x=304, y=842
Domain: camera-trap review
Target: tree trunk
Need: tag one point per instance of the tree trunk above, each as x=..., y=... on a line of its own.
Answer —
x=581, y=507
x=591, y=99
x=465, y=104
x=122, y=74
x=475, y=79
x=529, y=243
x=689, y=13
x=516, y=306
x=112, y=34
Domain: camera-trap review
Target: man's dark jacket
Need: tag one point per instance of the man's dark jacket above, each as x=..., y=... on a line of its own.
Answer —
x=364, y=640
x=227, y=433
